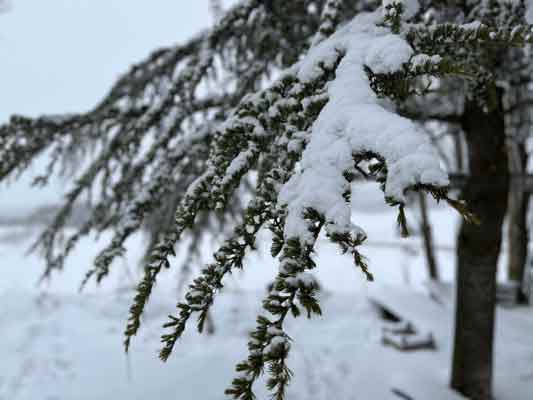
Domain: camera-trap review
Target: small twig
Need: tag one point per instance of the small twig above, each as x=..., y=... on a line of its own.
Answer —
x=401, y=394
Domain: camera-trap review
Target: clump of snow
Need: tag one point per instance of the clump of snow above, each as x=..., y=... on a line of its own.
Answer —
x=277, y=343
x=422, y=59
x=354, y=121
x=387, y=54
x=472, y=26
x=304, y=278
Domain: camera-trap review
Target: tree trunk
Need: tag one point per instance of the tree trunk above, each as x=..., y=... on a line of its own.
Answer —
x=478, y=248
x=459, y=152
x=517, y=220
x=427, y=237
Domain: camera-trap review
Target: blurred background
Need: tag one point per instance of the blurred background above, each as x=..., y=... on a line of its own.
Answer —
x=58, y=344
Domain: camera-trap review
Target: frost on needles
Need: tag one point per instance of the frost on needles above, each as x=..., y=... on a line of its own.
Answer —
x=319, y=123
x=186, y=127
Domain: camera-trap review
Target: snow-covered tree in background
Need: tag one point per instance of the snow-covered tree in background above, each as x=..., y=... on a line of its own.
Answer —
x=289, y=103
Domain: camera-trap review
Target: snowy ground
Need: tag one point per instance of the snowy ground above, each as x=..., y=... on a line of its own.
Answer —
x=61, y=345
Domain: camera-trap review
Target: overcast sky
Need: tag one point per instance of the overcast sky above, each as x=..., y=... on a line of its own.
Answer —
x=63, y=55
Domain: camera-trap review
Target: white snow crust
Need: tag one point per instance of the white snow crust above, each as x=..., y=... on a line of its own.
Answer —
x=62, y=345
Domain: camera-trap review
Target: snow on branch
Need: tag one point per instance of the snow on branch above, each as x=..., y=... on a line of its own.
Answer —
x=355, y=121
x=205, y=115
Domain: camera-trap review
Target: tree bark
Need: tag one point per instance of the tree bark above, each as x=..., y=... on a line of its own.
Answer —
x=518, y=236
x=478, y=248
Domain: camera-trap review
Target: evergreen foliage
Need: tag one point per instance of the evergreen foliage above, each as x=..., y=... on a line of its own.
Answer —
x=288, y=102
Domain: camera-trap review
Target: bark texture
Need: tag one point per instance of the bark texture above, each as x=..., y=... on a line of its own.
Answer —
x=478, y=248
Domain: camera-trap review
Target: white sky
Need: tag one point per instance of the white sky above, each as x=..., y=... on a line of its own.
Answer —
x=61, y=56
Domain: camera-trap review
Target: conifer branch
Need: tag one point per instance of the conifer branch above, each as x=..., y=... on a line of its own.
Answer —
x=329, y=20
x=181, y=131
x=289, y=119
